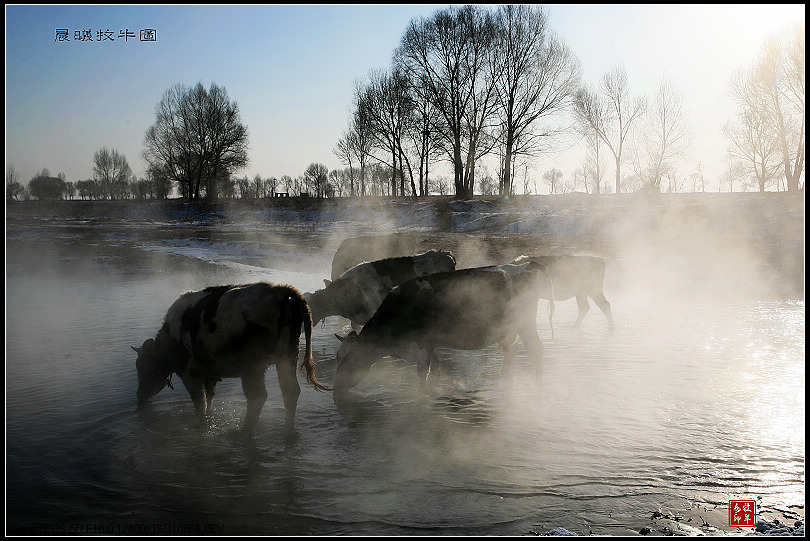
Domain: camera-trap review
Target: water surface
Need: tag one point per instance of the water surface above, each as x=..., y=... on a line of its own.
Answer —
x=688, y=403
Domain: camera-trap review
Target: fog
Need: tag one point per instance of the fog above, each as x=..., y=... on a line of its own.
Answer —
x=697, y=396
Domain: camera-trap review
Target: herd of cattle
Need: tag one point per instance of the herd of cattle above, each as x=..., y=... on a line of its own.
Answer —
x=402, y=306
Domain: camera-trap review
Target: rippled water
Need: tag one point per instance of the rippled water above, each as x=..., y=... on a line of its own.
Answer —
x=690, y=402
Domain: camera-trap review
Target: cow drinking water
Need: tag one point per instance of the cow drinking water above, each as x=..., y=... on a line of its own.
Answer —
x=230, y=332
x=464, y=309
x=358, y=292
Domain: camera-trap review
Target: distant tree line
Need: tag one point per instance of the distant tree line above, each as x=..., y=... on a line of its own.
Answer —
x=468, y=83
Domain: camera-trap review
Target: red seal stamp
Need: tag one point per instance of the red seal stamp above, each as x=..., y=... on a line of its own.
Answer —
x=742, y=513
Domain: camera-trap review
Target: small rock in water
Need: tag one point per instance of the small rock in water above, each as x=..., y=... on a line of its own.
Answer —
x=560, y=531
x=777, y=527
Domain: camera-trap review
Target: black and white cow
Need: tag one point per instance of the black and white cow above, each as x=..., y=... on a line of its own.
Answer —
x=358, y=292
x=576, y=276
x=464, y=309
x=355, y=250
x=230, y=332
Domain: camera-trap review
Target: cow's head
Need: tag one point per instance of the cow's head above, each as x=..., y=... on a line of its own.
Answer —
x=153, y=375
x=352, y=366
x=314, y=301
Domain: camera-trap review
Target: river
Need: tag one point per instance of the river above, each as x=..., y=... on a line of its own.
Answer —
x=689, y=403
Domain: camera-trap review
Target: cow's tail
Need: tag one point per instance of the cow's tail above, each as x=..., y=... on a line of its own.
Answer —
x=308, y=364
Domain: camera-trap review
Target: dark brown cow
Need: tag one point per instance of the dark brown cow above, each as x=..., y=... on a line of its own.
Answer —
x=230, y=332
x=464, y=309
x=355, y=250
x=358, y=292
x=576, y=276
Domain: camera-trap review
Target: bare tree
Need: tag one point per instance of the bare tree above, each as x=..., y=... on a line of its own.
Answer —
x=447, y=57
x=198, y=134
x=771, y=98
x=13, y=187
x=356, y=143
x=536, y=76
x=315, y=179
x=111, y=172
x=593, y=161
x=753, y=146
x=553, y=178
x=734, y=172
x=610, y=113
x=665, y=137
x=388, y=106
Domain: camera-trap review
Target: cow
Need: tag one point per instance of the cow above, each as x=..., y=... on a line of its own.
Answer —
x=576, y=276
x=231, y=331
x=356, y=250
x=358, y=292
x=463, y=309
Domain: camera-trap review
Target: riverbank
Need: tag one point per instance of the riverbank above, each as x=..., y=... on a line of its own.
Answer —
x=704, y=241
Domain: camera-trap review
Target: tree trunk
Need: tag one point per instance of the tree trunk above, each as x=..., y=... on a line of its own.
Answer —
x=506, y=182
x=618, y=177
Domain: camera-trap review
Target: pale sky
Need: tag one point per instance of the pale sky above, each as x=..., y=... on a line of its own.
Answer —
x=291, y=70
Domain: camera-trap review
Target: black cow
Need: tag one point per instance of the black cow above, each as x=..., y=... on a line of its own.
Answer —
x=358, y=292
x=355, y=250
x=463, y=309
x=230, y=332
x=576, y=276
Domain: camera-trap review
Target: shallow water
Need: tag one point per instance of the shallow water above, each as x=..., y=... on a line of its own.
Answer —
x=688, y=403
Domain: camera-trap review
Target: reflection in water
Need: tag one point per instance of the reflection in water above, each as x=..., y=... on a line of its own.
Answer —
x=686, y=405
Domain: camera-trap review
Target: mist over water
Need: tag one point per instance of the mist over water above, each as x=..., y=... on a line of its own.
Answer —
x=696, y=398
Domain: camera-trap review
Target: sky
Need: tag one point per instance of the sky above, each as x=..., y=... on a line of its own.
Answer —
x=292, y=70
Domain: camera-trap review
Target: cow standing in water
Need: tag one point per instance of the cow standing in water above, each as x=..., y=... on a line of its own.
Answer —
x=230, y=332
x=357, y=293
x=355, y=250
x=576, y=276
x=465, y=309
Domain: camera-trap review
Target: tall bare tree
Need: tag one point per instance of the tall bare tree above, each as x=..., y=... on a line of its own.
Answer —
x=356, y=143
x=388, y=106
x=198, y=136
x=446, y=56
x=536, y=77
x=773, y=89
x=13, y=187
x=316, y=177
x=611, y=113
x=753, y=145
x=553, y=178
x=111, y=172
x=665, y=137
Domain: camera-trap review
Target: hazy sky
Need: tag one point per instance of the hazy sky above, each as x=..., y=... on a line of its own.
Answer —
x=291, y=70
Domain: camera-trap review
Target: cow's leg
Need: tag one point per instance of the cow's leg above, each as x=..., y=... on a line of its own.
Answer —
x=424, y=359
x=196, y=389
x=290, y=389
x=534, y=348
x=582, y=302
x=509, y=348
x=210, y=391
x=604, y=305
x=256, y=394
